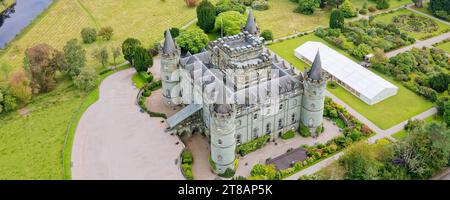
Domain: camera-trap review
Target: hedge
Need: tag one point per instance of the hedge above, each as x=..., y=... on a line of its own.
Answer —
x=251, y=146
x=288, y=135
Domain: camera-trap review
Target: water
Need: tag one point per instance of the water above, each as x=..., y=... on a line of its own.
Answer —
x=19, y=16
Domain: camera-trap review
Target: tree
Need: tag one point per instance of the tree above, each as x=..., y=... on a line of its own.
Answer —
x=89, y=35
x=175, y=32
x=9, y=103
x=447, y=113
x=74, y=57
x=267, y=35
x=263, y=172
x=142, y=59
x=308, y=7
x=128, y=48
x=439, y=82
x=42, y=61
x=19, y=86
x=440, y=8
x=425, y=150
x=382, y=4
x=101, y=55
x=378, y=56
x=191, y=3
x=192, y=40
x=206, y=15
x=418, y=3
x=116, y=52
x=360, y=162
x=337, y=19
x=86, y=80
x=229, y=23
x=106, y=33
x=347, y=9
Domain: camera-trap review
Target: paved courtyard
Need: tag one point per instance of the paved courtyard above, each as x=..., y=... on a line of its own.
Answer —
x=272, y=150
x=114, y=140
x=199, y=147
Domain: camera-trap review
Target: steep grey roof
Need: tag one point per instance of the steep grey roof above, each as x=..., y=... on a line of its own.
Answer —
x=250, y=26
x=316, y=70
x=169, y=44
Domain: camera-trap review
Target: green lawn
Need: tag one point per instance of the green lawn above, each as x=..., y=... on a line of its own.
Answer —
x=138, y=80
x=402, y=134
x=445, y=46
x=384, y=114
x=387, y=18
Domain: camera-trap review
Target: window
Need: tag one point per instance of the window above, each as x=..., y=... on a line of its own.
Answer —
x=293, y=118
x=268, y=128
x=255, y=116
x=238, y=139
x=280, y=123
x=220, y=141
x=281, y=106
x=168, y=93
x=219, y=157
x=167, y=77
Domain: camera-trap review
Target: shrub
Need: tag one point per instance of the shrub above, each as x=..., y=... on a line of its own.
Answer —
x=347, y=9
x=267, y=172
x=86, y=80
x=336, y=19
x=145, y=76
x=267, y=35
x=19, y=86
x=288, y=135
x=363, y=11
x=106, y=33
x=228, y=173
x=251, y=146
x=304, y=131
x=260, y=5
x=9, y=103
x=89, y=35
x=382, y=4
x=187, y=157
x=193, y=40
x=228, y=5
x=186, y=169
x=307, y=7
x=372, y=9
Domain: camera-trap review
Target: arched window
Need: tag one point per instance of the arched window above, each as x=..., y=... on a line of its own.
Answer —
x=219, y=141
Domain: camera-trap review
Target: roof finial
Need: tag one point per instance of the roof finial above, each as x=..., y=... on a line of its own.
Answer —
x=316, y=69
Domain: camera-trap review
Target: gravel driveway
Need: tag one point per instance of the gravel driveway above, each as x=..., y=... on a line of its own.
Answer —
x=114, y=140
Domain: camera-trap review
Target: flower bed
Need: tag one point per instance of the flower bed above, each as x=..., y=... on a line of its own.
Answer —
x=353, y=132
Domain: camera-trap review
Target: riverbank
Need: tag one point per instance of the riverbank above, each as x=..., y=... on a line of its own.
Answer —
x=6, y=4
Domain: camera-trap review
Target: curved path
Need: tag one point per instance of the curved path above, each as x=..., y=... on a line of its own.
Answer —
x=114, y=140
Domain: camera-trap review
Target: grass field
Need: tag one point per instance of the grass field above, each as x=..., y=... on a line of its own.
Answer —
x=387, y=18
x=283, y=21
x=384, y=114
x=445, y=46
x=5, y=4
x=142, y=19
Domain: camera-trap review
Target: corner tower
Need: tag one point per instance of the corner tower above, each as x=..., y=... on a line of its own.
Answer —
x=314, y=95
x=170, y=78
x=222, y=134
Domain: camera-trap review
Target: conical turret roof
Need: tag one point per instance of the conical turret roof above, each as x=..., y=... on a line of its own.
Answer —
x=251, y=26
x=169, y=44
x=316, y=70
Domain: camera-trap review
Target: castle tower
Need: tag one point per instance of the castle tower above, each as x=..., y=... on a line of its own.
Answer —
x=222, y=134
x=314, y=95
x=170, y=57
x=251, y=25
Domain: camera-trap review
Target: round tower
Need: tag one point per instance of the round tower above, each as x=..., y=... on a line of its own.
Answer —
x=170, y=78
x=314, y=96
x=222, y=135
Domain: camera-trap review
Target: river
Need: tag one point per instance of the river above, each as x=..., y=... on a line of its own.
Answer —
x=18, y=16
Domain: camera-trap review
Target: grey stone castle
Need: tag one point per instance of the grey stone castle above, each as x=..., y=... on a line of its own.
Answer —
x=236, y=90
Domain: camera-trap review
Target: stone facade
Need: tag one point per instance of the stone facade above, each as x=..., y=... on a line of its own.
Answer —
x=243, y=91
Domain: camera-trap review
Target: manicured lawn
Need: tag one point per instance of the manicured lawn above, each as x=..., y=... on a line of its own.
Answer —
x=283, y=21
x=138, y=80
x=389, y=112
x=286, y=48
x=6, y=4
x=387, y=18
x=392, y=3
x=142, y=19
x=400, y=135
x=445, y=46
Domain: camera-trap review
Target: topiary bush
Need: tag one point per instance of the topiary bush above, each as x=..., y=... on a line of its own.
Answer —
x=288, y=135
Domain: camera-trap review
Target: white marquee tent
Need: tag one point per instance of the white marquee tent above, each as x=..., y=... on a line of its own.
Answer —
x=360, y=81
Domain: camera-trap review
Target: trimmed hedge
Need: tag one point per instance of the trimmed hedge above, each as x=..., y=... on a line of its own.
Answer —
x=288, y=135
x=186, y=164
x=251, y=146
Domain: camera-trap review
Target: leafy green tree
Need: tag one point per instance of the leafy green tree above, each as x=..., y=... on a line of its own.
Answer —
x=229, y=5
x=86, y=80
x=19, y=86
x=447, y=113
x=360, y=163
x=440, y=8
x=439, y=82
x=382, y=4
x=263, y=172
x=142, y=59
x=267, y=35
x=206, y=15
x=89, y=35
x=347, y=9
x=337, y=19
x=229, y=22
x=129, y=47
x=74, y=57
x=9, y=103
x=106, y=33
x=101, y=55
x=175, y=32
x=308, y=7
x=192, y=40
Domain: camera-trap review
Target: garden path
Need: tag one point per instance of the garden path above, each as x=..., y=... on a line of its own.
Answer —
x=419, y=44
x=280, y=146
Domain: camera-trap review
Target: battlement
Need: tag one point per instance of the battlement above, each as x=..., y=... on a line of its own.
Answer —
x=239, y=44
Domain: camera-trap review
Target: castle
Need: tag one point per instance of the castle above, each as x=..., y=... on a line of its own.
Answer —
x=236, y=90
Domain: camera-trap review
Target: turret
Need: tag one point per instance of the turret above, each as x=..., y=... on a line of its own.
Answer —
x=170, y=57
x=314, y=95
x=222, y=133
x=251, y=25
